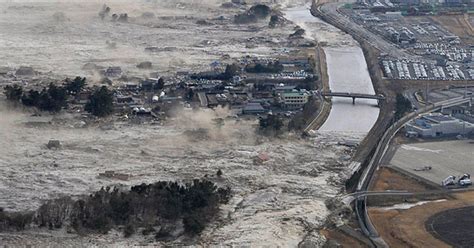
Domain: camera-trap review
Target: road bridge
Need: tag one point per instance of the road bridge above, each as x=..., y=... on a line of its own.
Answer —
x=353, y=95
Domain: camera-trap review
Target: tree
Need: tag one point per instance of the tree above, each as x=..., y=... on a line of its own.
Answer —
x=402, y=106
x=100, y=102
x=308, y=83
x=13, y=93
x=58, y=95
x=75, y=86
x=271, y=123
x=272, y=67
x=194, y=223
x=231, y=71
x=53, y=99
x=32, y=99
x=161, y=84
x=147, y=206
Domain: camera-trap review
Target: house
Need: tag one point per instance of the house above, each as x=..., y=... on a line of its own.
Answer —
x=148, y=84
x=212, y=100
x=113, y=71
x=261, y=158
x=83, y=97
x=25, y=71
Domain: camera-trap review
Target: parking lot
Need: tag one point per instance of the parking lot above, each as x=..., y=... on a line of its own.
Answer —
x=406, y=69
x=439, y=54
x=445, y=158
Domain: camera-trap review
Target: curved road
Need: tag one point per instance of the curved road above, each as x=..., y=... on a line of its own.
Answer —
x=382, y=147
x=329, y=12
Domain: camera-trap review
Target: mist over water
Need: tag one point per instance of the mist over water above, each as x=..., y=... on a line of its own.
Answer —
x=62, y=36
x=274, y=203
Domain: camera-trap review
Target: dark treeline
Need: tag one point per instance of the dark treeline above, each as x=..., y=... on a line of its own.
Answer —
x=272, y=67
x=230, y=71
x=52, y=98
x=160, y=208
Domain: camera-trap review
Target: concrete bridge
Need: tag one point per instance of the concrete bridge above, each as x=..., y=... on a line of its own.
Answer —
x=353, y=95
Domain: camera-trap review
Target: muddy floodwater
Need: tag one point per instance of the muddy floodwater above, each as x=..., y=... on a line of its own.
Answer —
x=347, y=72
x=273, y=204
x=67, y=36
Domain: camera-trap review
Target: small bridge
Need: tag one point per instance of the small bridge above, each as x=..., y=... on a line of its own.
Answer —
x=353, y=95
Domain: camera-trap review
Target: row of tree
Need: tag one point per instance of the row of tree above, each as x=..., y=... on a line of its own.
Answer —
x=272, y=67
x=54, y=98
x=162, y=205
x=231, y=70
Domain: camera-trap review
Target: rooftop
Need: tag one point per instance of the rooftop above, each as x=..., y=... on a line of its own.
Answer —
x=253, y=106
x=439, y=118
x=294, y=93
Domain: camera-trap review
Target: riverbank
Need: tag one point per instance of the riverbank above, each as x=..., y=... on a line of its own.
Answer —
x=347, y=72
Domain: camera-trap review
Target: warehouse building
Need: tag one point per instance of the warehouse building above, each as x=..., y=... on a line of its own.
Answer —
x=438, y=125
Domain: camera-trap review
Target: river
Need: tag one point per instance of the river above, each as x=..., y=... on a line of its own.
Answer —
x=347, y=71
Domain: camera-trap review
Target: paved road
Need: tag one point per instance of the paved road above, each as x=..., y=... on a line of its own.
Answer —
x=330, y=14
x=361, y=202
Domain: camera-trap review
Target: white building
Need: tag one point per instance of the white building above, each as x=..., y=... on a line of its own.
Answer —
x=295, y=99
x=436, y=125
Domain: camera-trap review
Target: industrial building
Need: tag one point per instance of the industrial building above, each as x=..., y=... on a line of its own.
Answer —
x=438, y=125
